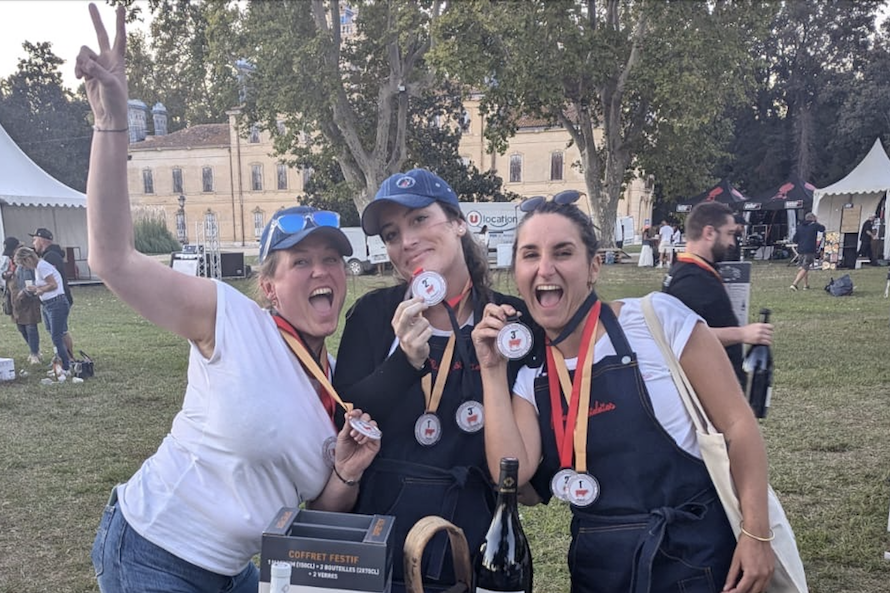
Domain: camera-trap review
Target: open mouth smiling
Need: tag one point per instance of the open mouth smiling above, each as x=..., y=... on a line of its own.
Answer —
x=548, y=295
x=322, y=297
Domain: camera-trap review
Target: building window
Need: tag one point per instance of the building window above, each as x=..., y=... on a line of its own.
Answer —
x=556, y=166
x=256, y=177
x=282, y=175
x=515, y=168
x=207, y=179
x=148, y=184
x=307, y=175
x=254, y=137
x=211, y=228
x=177, y=181
x=258, y=223
x=282, y=129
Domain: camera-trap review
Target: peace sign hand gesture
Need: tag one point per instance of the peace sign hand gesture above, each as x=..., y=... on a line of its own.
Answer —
x=104, y=74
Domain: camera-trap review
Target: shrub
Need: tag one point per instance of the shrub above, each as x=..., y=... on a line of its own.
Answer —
x=151, y=233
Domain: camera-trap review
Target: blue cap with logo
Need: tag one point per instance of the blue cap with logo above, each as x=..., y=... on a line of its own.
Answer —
x=291, y=225
x=417, y=188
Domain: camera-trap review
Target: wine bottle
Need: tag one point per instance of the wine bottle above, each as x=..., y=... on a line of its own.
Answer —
x=504, y=562
x=758, y=367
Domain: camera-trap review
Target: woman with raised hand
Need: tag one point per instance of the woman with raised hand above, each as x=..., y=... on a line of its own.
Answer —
x=256, y=429
x=406, y=357
x=602, y=426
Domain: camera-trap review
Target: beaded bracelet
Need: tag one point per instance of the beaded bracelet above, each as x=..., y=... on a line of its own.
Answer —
x=344, y=480
x=98, y=129
x=772, y=534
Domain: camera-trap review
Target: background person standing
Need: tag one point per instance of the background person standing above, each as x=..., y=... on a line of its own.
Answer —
x=693, y=278
x=806, y=238
x=42, y=241
x=665, y=249
x=866, y=235
x=23, y=308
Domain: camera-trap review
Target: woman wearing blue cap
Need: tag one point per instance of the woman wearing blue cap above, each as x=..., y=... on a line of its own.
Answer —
x=394, y=348
x=256, y=429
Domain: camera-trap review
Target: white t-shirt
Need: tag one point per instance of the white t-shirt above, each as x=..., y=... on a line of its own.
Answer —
x=247, y=441
x=45, y=270
x=665, y=232
x=678, y=322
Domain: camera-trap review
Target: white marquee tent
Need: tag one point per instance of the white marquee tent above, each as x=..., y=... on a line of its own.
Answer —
x=865, y=186
x=30, y=198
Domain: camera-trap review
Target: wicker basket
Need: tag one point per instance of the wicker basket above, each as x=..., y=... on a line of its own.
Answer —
x=417, y=540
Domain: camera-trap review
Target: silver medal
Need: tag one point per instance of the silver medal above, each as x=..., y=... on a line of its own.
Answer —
x=430, y=286
x=470, y=416
x=365, y=428
x=329, y=451
x=583, y=490
x=559, y=484
x=428, y=429
x=514, y=340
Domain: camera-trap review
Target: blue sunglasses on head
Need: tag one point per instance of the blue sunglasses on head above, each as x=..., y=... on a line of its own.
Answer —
x=569, y=196
x=286, y=225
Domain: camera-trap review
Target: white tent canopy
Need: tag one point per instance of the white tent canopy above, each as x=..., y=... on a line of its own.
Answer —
x=30, y=198
x=865, y=186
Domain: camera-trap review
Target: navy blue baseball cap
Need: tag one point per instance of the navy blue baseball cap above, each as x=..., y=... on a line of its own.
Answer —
x=291, y=225
x=417, y=188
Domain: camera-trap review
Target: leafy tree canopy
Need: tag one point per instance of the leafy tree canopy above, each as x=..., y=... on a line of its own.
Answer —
x=48, y=122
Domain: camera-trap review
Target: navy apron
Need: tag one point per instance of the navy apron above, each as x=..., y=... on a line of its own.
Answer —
x=658, y=525
x=449, y=479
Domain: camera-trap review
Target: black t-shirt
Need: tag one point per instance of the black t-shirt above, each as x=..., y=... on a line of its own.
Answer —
x=703, y=292
x=867, y=228
x=805, y=237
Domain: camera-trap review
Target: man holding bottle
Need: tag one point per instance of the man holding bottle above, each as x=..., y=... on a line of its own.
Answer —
x=711, y=233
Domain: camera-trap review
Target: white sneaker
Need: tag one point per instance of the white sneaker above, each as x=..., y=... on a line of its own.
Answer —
x=34, y=359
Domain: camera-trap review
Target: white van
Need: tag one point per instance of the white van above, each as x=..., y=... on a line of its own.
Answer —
x=366, y=251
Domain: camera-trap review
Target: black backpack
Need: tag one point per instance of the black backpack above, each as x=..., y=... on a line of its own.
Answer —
x=843, y=286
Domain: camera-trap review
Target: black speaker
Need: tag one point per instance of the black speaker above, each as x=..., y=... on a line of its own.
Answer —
x=232, y=265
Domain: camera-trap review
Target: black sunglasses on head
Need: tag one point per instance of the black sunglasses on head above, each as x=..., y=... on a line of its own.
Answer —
x=569, y=196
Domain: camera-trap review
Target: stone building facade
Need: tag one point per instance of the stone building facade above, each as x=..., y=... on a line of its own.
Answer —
x=210, y=179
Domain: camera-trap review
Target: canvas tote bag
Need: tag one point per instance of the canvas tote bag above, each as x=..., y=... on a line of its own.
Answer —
x=789, y=574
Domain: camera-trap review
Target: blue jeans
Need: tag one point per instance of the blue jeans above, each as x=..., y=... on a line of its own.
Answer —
x=126, y=562
x=55, y=314
x=31, y=335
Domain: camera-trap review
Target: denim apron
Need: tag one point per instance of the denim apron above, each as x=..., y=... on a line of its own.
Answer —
x=658, y=525
x=449, y=479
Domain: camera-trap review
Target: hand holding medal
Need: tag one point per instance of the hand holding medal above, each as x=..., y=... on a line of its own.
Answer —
x=515, y=339
x=357, y=444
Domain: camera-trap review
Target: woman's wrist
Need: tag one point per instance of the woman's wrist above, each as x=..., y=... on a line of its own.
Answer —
x=345, y=479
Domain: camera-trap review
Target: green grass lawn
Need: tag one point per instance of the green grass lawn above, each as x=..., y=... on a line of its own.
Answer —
x=62, y=447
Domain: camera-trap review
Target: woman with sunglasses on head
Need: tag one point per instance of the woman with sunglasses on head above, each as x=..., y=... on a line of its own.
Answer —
x=620, y=446
x=256, y=430
x=411, y=365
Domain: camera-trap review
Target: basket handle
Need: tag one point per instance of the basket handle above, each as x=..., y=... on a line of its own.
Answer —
x=417, y=540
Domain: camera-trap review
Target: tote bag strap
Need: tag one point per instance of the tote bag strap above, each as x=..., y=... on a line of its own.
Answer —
x=684, y=387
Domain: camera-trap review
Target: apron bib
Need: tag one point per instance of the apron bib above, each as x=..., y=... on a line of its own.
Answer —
x=658, y=525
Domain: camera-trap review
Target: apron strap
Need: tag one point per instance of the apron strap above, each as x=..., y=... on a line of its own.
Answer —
x=616, y=334
x=650, y=540
x=460, y=477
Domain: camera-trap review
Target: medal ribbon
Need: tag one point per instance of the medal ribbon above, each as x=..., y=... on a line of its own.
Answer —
x=433, y=393
x=319, y=369
x=691, y=258
x=574, y=428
